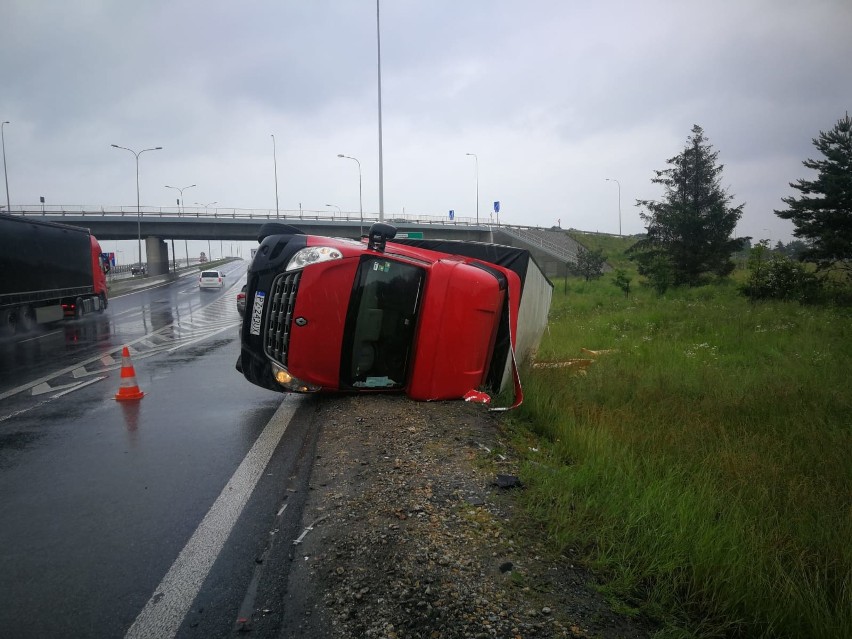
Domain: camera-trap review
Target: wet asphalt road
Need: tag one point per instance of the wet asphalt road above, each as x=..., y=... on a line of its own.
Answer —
x=164, y=505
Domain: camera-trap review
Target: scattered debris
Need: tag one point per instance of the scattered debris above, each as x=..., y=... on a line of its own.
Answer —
x=596, y=353
x=508, y=481
x=477, y=396
x=301, y=537
x=569, y=363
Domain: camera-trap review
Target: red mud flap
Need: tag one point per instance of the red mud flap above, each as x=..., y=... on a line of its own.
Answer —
x=519, y=392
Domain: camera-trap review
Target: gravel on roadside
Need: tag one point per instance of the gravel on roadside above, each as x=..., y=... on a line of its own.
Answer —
x=412, y=530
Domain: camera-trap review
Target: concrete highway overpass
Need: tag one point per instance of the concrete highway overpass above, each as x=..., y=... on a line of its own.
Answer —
x=552, y=248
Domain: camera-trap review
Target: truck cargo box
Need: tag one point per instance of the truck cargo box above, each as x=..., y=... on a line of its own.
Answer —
x=39, y=256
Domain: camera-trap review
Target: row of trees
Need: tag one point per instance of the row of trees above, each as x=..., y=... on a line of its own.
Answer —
x=690, y=229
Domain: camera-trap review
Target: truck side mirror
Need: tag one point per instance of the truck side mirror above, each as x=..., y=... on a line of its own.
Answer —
x=379, y=234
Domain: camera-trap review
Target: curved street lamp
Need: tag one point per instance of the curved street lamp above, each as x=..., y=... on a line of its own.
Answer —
x=138, y=208
x=619, y=201
x=209, y=250
x=360, y=200
x=477, y=184
x=181, y=189
x=5, y=174
x=336, y=207
x=180, y=212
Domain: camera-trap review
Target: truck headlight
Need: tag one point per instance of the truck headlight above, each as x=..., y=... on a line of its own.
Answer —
x=312, y=255
x=293, y=384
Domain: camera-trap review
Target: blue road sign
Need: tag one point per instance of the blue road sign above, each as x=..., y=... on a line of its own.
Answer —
x=496, y=207
x=452, y=214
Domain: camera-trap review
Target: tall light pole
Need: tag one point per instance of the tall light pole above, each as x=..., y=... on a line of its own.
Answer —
x=381, y=165
x=5, y=173
x=275, y=164
x=138, y=208
x=477, y=184
x=181, y=189
x=619, y=201
x=336, y=207
x=360, y=200
x=209, y=250
x=180, y=212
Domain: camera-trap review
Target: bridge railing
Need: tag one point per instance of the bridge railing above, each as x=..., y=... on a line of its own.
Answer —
x=534, y=236
x=78, y=210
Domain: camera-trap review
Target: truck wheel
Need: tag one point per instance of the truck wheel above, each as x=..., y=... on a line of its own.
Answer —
x=7, y=322
x=26, y=319
x=78, y=308
x=103, y=303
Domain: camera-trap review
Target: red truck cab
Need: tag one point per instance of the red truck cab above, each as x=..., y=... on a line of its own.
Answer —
x=342, y=315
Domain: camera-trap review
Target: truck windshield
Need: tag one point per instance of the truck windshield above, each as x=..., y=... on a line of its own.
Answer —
x=380, y=324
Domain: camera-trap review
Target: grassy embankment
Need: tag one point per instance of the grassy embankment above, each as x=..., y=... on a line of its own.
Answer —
x=706, y=466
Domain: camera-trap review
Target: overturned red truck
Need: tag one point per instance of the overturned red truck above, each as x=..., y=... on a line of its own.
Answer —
x=435, y=319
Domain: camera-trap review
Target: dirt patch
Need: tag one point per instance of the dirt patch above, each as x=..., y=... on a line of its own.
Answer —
x=413, y=530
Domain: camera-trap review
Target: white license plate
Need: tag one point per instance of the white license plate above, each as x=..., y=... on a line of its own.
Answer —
x=257, y=312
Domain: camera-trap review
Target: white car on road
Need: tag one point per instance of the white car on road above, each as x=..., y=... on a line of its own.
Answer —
x=211, y=279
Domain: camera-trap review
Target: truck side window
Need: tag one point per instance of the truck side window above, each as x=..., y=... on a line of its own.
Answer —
x=380, y=324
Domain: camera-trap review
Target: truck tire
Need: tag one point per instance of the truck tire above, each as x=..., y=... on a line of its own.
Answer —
x=103, y=304
x=78, y=308
x=7, y=322
x=26, y=319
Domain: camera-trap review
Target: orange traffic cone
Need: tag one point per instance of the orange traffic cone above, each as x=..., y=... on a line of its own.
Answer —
x=129, y=390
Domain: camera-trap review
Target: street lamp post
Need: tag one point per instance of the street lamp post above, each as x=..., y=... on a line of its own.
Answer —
x=381, y=164
x=477, y=184
x=275, y=164
x=180, y=212
x=5, y=173
x=138, y=208
x=209, y=250
x=336, y=207
x=181, y=189
x=619, y=201
x=360, y=199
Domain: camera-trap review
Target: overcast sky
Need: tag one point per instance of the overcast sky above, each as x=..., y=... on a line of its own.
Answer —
x=553, y=96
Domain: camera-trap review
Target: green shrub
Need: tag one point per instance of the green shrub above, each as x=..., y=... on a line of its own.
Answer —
x=778, y=277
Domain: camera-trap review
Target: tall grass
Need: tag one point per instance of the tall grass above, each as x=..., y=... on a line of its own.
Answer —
x=704, y=465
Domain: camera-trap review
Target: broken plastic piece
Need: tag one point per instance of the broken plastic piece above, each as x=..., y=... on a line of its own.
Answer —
x=477, y=396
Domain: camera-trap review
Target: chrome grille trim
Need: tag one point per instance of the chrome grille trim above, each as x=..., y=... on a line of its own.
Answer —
x=282, y=301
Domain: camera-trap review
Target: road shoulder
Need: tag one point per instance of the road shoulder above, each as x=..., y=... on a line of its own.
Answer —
x=407, y=534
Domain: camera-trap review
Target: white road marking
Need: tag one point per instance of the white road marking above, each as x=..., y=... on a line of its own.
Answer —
x=78, y=387
x=44, y=388
x=179, y=346
x=3, y=418
x=107, y=358
x=30, y=339
x=163, y=614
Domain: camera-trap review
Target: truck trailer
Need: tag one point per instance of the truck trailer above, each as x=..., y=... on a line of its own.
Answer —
x=435, y=319
x=48, y=271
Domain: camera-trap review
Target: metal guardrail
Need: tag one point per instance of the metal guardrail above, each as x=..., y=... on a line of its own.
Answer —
x=233, y=214
x=558, y=250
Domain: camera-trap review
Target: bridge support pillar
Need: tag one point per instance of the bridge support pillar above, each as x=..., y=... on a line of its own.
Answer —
x=158, y=255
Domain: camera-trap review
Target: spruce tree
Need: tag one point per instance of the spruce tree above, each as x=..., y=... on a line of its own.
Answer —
x=690, y=229
x=823, y=214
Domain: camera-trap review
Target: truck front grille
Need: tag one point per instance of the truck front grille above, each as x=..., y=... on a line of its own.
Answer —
x=282, y=300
